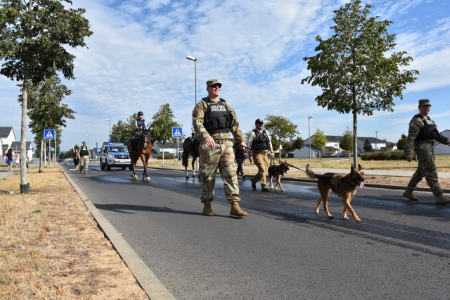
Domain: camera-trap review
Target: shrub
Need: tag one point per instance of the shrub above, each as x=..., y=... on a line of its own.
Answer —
x=382, y=155
x=166, y=156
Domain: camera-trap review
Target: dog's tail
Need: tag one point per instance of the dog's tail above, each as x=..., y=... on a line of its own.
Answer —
x=310, y=172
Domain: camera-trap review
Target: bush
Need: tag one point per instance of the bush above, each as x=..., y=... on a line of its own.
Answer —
x=382, y=155
x=166, y=156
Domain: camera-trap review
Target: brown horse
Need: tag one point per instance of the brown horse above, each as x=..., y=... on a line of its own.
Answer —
x=187, y=151
x=142, y=149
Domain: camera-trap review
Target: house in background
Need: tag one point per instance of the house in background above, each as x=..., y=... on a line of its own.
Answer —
x=441, y=149
x=7, y=137
x=15, y=146
x=304, y=152
x=332, y=145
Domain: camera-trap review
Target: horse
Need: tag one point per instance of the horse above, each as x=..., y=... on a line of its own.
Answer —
x=187, y=151
x=142, y=149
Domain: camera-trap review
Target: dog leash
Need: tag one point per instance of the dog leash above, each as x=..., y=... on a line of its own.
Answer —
x=261, y=152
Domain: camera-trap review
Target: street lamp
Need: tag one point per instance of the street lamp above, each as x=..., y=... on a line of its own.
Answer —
x=109, y=127
x=309, y=138
x=195, y=74
x=376, y=140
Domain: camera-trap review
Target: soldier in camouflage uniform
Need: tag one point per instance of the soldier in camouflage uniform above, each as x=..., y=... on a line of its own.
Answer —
x=213, y=119
x=422, y=135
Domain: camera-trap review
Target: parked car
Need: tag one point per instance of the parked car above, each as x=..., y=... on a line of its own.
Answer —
x=114, y=155
x=326, y=155
x=342, y=154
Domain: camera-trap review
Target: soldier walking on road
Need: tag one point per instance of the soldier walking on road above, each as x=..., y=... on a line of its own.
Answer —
x=85, y=155
x=422, y=134
x=260, y=145
x=213, y=119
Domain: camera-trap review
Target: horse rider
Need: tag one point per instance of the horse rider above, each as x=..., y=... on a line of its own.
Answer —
x=139, y=125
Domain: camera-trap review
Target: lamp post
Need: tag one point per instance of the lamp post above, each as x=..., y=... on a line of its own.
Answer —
x=195, y=74
x=109, y=127
x=376, y=140
x=309, y=138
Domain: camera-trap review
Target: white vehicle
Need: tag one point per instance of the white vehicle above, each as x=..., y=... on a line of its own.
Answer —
x=114, y=155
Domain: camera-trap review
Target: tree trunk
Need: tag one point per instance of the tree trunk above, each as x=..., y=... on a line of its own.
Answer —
x=41, y=156
x=24, y=185
x=355, y=138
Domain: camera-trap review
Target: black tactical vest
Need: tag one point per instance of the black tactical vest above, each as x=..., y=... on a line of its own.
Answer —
x=217, y=117
x=429, y=131
x=84, y=151
x=261, y=140
x=140, y=122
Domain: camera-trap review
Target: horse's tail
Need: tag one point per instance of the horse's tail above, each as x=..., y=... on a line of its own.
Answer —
x=186, y=152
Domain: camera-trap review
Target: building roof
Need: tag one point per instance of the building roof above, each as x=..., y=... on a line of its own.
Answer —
x=5, y=131
x=15, y=146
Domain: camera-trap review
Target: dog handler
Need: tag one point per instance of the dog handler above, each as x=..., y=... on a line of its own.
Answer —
x=423, y=134
x=260, y=144
x=213, y=119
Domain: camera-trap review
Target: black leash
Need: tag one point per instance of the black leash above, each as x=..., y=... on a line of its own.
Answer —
x=261, y=152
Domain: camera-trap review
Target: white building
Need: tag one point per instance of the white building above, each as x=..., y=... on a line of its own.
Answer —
x=441, y=149
x=332, y=145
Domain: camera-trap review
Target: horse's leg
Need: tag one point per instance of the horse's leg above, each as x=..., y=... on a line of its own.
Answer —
x=194, y=159
x=144, y=159
x=133, y=166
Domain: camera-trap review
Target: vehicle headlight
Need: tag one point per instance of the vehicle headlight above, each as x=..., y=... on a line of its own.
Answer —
x=111, y=156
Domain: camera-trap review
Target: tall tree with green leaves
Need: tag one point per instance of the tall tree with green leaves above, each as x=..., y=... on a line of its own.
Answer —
x=320, y=139
x=34, y=42
x=367, y=146
x=281, y=128
x=357, y=68
x=122, y=131
x=161, y=126
x=402, y=142
x=297, y=143
x=47, y=110
x=346, y=141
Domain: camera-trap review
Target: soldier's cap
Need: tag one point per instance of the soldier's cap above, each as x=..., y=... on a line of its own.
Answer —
x=259, y=121
x=212, y=81
x=424, y=102
x=84, y=142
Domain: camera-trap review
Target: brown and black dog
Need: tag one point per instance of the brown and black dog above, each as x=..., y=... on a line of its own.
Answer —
x=277, y=172
x=344, y=187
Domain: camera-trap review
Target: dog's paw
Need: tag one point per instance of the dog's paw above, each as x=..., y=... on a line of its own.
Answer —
x=330, y=217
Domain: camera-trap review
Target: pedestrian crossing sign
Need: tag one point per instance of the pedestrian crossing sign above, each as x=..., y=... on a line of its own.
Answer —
x=177, y=132
x=49, y=134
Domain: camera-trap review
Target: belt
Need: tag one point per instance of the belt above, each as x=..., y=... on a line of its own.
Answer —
x=220, y=141
x=427, y=141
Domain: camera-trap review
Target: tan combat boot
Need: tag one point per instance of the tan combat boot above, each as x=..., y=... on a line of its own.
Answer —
x=409, y=194
x=441, y=200
x=207, y=210
x=236, y=210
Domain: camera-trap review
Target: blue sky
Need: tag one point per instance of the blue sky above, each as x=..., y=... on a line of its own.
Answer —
x=136, y=61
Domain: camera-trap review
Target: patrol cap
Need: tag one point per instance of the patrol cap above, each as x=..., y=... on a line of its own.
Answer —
x=424, y=102
x=84, y=142
x=212, y=81
x=259, y=121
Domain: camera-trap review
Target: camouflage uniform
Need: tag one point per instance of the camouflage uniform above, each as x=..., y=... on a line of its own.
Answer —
x=222, y=156
x=424, y=150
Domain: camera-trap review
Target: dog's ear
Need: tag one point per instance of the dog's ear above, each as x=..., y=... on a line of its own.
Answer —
x=359, y=167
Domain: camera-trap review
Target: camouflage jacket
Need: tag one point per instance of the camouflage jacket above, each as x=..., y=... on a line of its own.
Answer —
x=415, y=125
x=198, y=116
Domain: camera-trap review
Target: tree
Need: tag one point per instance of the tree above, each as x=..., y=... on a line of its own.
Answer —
x=346, y=141
x=367, y=146
x=298, y=143
x=34, y=41
x=161, y=127
x=357, y=68
x=122, y=131
x=320, y=139
x=281, y=129
x=287, y=146
x=402, y=142
x=46, y=109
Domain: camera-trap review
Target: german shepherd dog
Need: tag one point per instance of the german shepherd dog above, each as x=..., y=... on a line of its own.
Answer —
x=345, y=187
x=277, y=172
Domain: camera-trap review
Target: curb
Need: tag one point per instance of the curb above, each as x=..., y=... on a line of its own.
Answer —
x=151, y=285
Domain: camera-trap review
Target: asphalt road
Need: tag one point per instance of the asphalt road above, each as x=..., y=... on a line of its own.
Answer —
x=282, y=249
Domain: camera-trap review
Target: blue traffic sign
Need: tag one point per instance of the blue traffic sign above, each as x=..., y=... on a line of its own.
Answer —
x=49, y=134
x=177, y=132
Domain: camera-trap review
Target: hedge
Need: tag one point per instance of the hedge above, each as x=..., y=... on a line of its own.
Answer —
x=385, y=155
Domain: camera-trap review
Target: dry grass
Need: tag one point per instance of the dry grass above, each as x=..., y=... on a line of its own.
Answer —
x=51, y=247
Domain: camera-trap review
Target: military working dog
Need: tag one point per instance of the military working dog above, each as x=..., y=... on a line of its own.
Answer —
x=343, y=186
x=277, y=172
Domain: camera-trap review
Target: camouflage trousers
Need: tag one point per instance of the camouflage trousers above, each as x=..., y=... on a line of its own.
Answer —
x=426, y=168
x=220, y=157
x=262, y=162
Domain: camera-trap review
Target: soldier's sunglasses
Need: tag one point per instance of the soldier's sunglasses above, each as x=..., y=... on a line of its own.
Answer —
x=214, y=86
